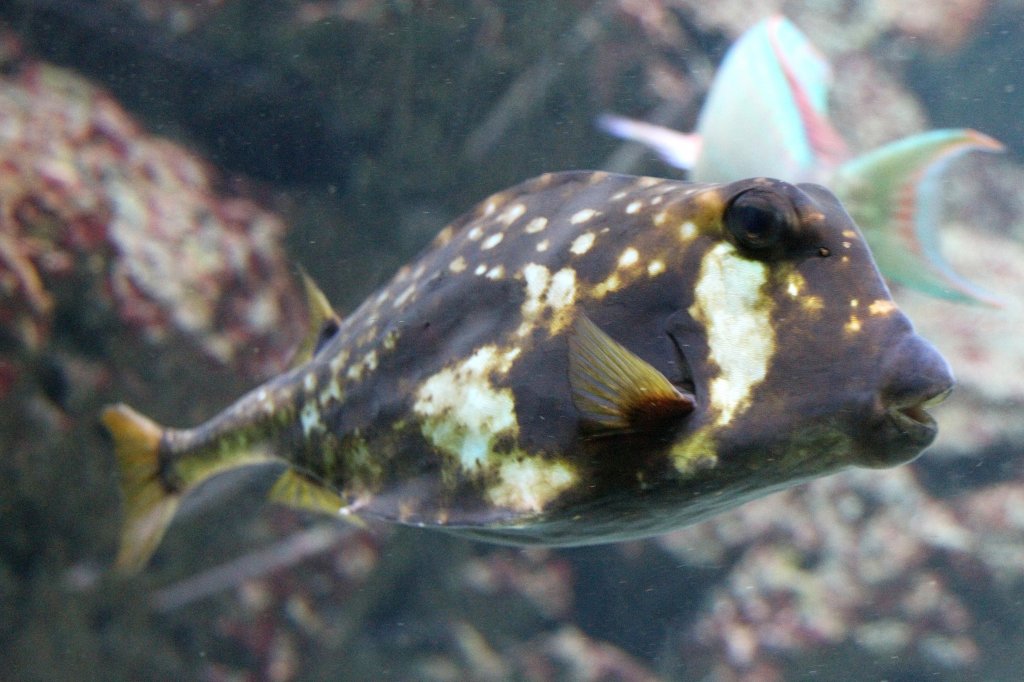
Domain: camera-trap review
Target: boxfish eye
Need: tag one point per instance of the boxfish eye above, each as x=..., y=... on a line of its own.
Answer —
x=758, y=220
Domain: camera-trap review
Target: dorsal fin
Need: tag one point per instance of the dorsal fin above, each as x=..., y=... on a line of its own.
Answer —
x=616, y=390
x=323, y=322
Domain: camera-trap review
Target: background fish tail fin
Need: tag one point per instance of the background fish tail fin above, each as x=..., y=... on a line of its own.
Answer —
x=148, y=504
x=677, y=149
x=894, y=193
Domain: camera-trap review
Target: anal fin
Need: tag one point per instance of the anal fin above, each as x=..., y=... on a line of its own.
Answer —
x=616, y=390
x=296, y=490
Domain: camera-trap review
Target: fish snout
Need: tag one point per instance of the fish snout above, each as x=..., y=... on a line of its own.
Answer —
x=914, y=378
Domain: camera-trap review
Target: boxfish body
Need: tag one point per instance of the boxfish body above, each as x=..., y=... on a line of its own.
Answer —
x=583, y=358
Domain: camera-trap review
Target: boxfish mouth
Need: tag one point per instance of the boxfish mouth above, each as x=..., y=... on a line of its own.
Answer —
x=912, y=420
x=915, y=378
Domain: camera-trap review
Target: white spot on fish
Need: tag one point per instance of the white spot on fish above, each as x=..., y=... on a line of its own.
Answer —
x=475, y=233
x=543, y=245
x=629, y=257
x=655, y=268
x=881, y=307
x=370, y=360
x=309, y=382
x=795, y=283
x=583, y=216
x=333, y=391
x=495, y=273
x=687, y=231
x=582, y=243
x=536, y=225
x=492, y=241
x=457, y=265
x=480, y=269
x=647, y=181
x=634, y=206
x=512, y=213
x=444, y=236
x=355, y=372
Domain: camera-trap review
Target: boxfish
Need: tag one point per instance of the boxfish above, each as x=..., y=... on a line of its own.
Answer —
x=583, y=358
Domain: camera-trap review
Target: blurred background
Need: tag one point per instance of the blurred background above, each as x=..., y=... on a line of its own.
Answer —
x=166, y=164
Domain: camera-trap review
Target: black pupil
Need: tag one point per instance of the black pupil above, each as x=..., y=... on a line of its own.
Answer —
x=754, y=219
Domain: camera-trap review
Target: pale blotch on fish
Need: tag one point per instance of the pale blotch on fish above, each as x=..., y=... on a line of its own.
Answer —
x=730, y=302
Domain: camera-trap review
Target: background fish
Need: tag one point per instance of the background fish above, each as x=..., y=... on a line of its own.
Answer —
x=582, y=358
x=766, y=113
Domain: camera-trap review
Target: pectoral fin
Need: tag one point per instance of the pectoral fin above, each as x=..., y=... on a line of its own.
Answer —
x=616, y=390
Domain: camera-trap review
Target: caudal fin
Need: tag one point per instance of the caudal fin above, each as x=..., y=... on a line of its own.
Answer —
x=148, y=505
x=896, y=195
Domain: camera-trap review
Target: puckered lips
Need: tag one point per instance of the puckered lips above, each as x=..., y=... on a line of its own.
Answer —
x=911, y=418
